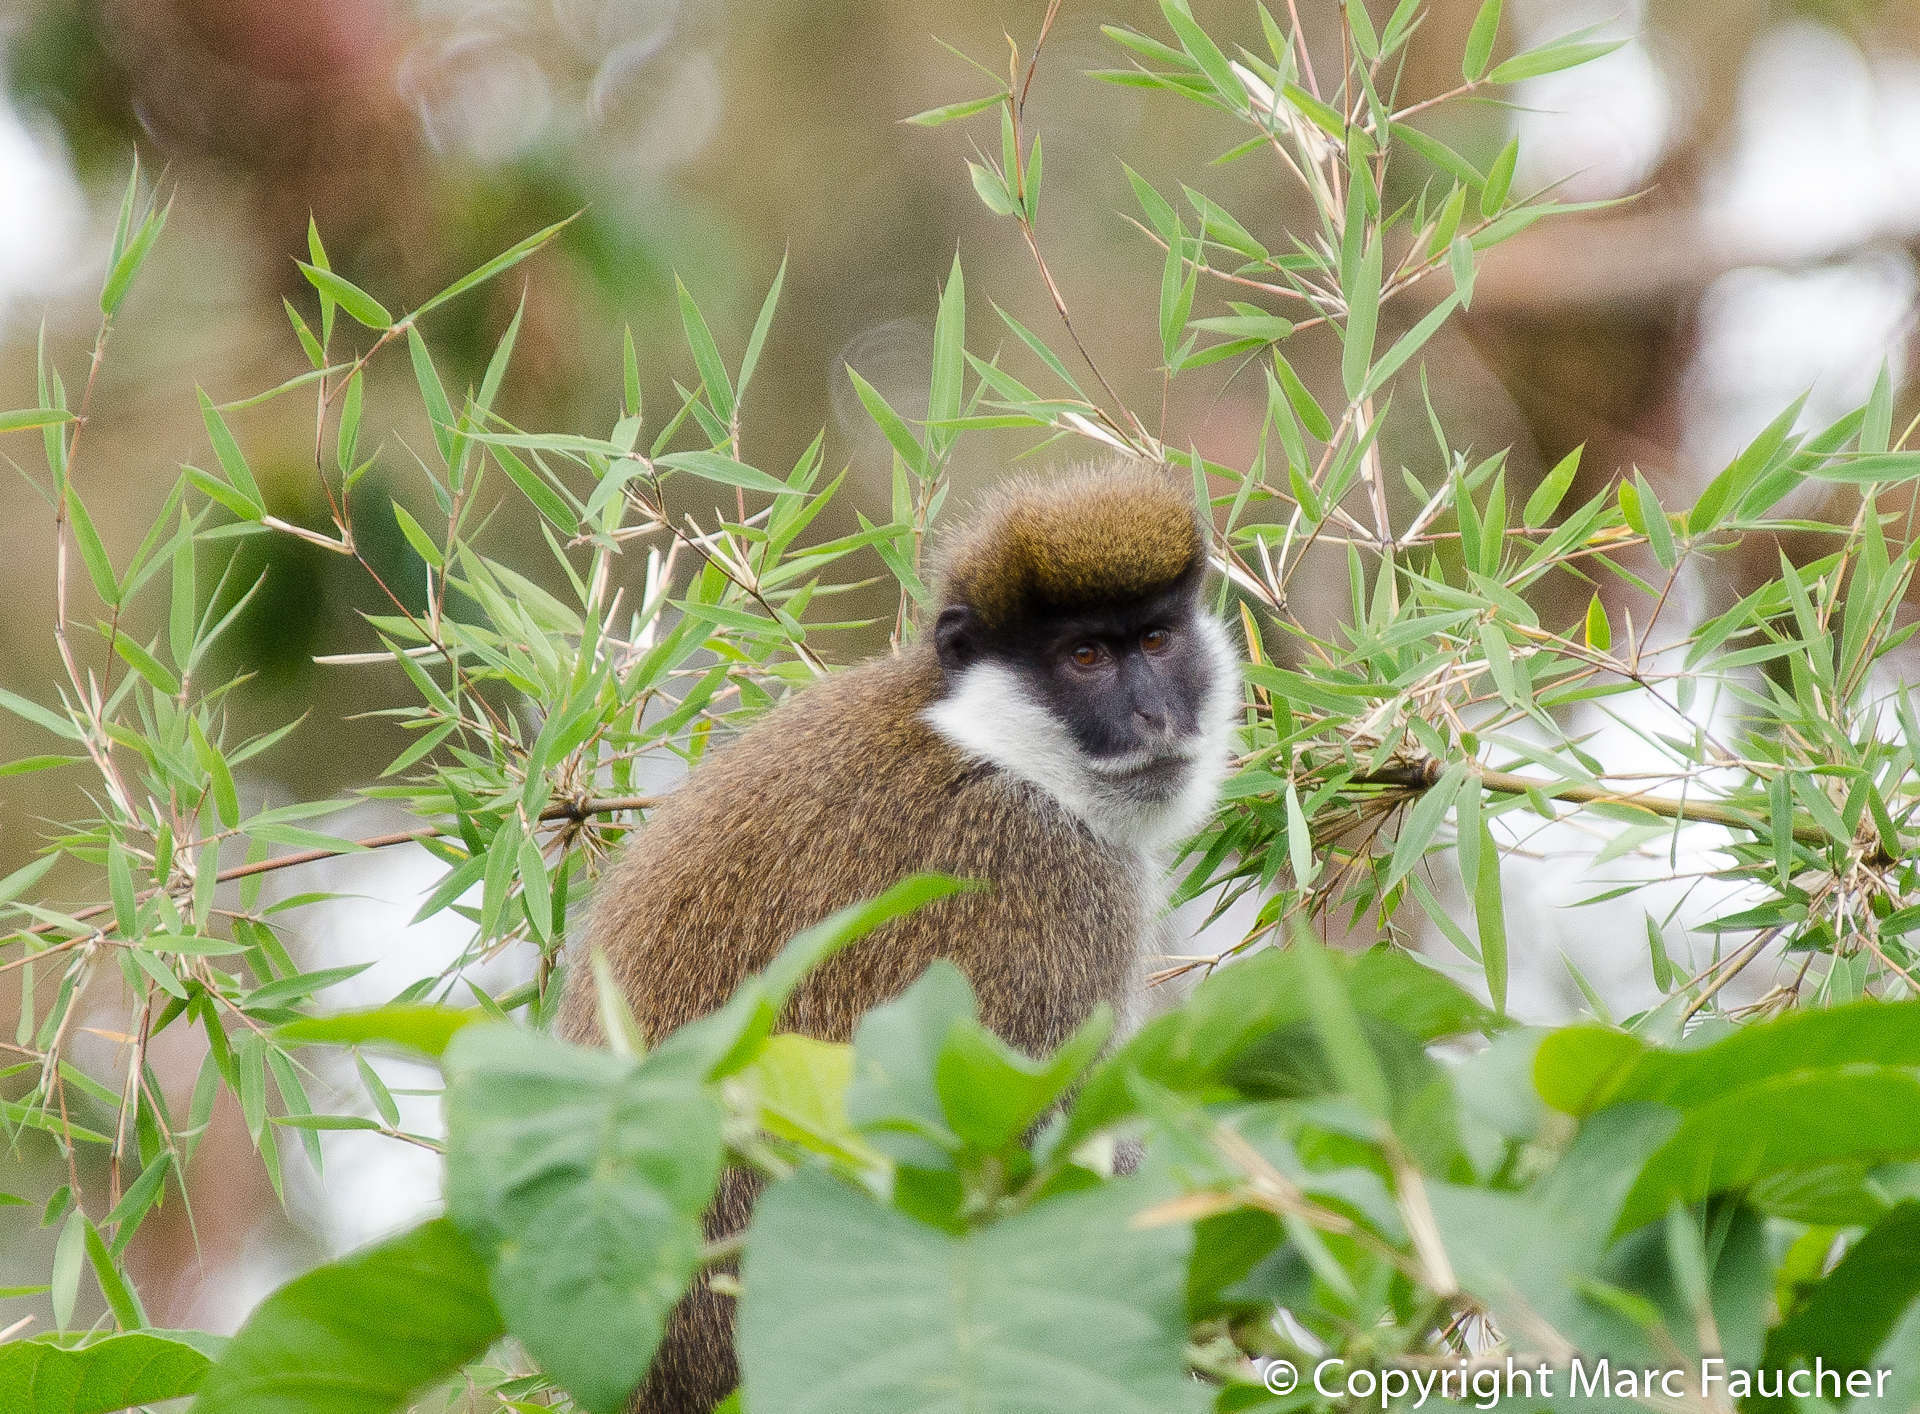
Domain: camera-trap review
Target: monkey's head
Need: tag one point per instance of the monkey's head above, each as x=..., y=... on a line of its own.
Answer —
x=1078, y=655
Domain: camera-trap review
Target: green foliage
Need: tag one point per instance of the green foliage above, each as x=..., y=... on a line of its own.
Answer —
x=941, y=1226
x=325, y=1340
x=584, y=1177
x=995, y=1312
x=48, y=1376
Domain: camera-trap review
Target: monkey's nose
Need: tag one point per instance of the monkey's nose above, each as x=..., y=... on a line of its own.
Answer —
x=1151, y=719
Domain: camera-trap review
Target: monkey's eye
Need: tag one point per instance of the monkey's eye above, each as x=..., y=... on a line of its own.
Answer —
x=1088, y=655
x=1156, y=640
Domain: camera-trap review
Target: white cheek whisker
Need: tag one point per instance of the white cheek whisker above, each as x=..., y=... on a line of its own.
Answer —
x=1127, y=763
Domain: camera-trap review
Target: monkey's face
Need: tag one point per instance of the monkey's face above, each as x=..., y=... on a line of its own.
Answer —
x=1121, y=710
x=1128, y=681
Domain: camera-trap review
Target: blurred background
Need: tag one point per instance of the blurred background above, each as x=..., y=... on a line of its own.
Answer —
x=1774, y=148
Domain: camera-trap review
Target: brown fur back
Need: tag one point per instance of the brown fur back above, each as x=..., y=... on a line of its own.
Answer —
x=830, y=799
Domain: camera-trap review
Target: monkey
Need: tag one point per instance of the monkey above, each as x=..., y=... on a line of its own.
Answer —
x=1063, y=726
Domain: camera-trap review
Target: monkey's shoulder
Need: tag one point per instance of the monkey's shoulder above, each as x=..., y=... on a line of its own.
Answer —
x=849, y=769
x=870, y=713
x=852, y=752
x=830, y=799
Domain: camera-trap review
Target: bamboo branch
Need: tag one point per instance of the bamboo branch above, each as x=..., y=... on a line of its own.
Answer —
x=1421, y=776
x=572, y=812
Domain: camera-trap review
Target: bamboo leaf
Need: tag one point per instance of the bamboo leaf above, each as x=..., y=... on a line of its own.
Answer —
x=349, y=296
x=506, y=260
x=1479, y=50
x=953, y=112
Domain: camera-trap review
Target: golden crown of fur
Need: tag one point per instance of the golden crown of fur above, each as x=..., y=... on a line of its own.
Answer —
x=1088, y=535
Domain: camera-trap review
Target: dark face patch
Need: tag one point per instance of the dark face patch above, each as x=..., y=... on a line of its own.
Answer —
x=1128, y=680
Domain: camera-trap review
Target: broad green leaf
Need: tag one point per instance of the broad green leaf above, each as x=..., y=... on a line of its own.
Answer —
x=1876, y=424
x=1581, y=1068
x=1159, y=214
x=1299, y=839
x=1312, y=416
x=433, y=396
x=309, y=345
x=1408, y=344
x=1493, y=194
x=949, y=359
x=1266, y=327
x=549, y=502
x=217, y=490
x=1421, y=823
x=889, y=422
x=191, y=945
x=69, y=1253
x=801, y=1087
x=1460, y=265
x=1489, y=912
x=1467, y=178
x=1659, y=530
x=1864, y=1112
x=727, y=1040
x=120, y=888
x=47, y=1376
x=181, y=590
x=93, y=553
x=154, y=671
x=992, y=1093
x=892, y=1095
x=750, y=360
x=1765, y=453
x=1366, y=40
x=1850, y=1313
x=398, y=1025
x=581, y=1177
x=416, y=536
x=300, y=986
x=120, y=1296
x=1244, y=1003
x=327, y=1342
x=855, y=1308
x=27, y=875
x=1177, y=284
x=536, y=889
x=630, y=373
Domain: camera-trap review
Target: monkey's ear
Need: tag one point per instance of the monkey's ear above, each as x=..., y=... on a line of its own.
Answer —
x=956, y=637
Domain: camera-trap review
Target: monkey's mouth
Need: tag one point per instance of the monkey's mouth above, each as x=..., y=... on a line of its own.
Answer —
x=1147, y=776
